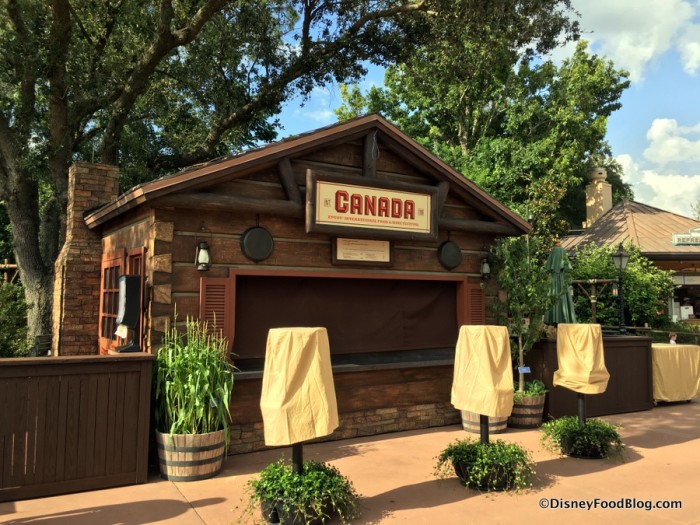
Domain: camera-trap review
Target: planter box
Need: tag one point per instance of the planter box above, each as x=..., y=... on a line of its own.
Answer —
x=630, y=389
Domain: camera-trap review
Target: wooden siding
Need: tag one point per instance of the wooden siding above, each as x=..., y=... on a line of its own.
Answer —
x=69, y=424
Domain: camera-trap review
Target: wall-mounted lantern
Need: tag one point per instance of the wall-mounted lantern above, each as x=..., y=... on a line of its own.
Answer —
x=202, y=258
x=485, y=269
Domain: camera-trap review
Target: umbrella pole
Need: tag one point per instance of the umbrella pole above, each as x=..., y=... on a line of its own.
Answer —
x=298, y=458
x=484, y=428
x=581, y=410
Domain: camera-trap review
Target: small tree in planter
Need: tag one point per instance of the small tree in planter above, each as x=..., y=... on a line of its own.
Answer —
x=525, y=282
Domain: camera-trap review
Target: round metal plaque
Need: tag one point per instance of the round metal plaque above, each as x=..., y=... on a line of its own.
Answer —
x=449, y=255
x=257, y=243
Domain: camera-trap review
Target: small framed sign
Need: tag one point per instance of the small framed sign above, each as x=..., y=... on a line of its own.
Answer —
x=362, y=251
x=523, y=369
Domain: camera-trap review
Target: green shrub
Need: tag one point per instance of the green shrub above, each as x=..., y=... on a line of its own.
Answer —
x=533, y=388
x=13, y=321
x=193, y=380
x=646, y=288
x=595, y=438
x=488, y=466
x=320, y=492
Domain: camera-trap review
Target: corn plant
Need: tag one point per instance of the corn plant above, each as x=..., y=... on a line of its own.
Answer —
x=193, y=380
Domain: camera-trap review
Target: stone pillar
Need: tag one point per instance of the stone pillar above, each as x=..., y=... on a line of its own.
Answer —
x=76, y=301
x=598, y=196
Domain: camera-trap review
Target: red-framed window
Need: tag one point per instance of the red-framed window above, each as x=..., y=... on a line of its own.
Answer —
x=114, y=265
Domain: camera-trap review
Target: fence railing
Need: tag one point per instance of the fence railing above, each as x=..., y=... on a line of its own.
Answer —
x=660, y=336
x=69, y=424
x=8, y=272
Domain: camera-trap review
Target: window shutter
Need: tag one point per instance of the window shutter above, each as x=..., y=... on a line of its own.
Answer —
x=477, y=304
x=217, y=305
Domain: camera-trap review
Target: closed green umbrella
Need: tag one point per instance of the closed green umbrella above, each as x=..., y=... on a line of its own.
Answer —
x=563, y=309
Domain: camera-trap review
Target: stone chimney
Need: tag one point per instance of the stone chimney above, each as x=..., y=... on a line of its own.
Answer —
x=598, y=196
x=76, y=300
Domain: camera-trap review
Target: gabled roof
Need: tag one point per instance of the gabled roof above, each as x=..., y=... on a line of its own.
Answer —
x=236, y=166
x=651, y=229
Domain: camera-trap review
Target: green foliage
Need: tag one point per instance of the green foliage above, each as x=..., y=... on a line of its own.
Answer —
x=193, y=380
x=155, y=86
x=13, y=321
x=5, y=234
x=533, y=388
x=489, y=466
x=595, y=438
x=319, y=492
x=521, y=273
x=645, y=287
x=523, y=129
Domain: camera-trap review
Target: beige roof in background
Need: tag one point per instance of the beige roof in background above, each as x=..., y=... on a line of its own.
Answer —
x=649, y=228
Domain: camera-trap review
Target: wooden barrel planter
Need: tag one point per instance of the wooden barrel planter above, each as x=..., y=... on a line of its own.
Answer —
x=471, y=423
x=527, y=413
x=190, y=457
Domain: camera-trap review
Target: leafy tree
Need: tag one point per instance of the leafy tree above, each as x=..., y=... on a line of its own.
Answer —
x=157, y=85
x=646, y=288
x=524, y=129
x=522, y=275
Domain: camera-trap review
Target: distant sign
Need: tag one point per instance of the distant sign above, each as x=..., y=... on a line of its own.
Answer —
x=692, y=238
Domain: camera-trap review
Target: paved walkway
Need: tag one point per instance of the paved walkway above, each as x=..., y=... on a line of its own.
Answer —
x=393, y=473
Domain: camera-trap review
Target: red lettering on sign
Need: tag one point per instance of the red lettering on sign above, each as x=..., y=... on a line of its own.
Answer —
x=383, y=210
x=409, y=209
x=373, y=206
x=341, y=201
x=356, y=204
x=370, y=205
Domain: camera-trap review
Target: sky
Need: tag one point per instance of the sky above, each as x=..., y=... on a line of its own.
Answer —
x=656, y=134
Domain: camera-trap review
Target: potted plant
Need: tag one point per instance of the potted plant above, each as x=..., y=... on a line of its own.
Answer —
x=312, y=497
x=524, y=297
x=193, y=380
x=528, y=405
x=594, y=439
x=496, y=465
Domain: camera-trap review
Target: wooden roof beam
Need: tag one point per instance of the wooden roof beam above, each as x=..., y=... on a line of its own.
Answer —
x=285, y=208
x=370, y=154
x=286, y=173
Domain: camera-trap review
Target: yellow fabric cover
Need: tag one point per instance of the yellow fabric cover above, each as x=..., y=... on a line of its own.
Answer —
x=298, y=395
x=581, y=359
x=675, y=371
x=483, y=378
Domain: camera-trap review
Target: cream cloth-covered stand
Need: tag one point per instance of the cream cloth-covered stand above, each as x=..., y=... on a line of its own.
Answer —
x=483, y=378
x=581, y=359
x=298, y=400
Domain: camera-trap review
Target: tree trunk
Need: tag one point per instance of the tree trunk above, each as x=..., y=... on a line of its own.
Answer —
x=35, y=273
x=38, y=292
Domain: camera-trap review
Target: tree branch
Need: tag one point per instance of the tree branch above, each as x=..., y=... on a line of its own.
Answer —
x=137, y=82
x=272, y=92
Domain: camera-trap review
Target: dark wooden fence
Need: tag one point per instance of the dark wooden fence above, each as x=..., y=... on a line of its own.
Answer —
x=630, y=388
x=69, y=424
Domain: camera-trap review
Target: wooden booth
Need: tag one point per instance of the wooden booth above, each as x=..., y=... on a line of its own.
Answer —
x=354, y=227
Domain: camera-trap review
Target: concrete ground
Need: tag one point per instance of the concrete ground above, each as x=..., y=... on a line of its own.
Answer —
x=394, y=475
